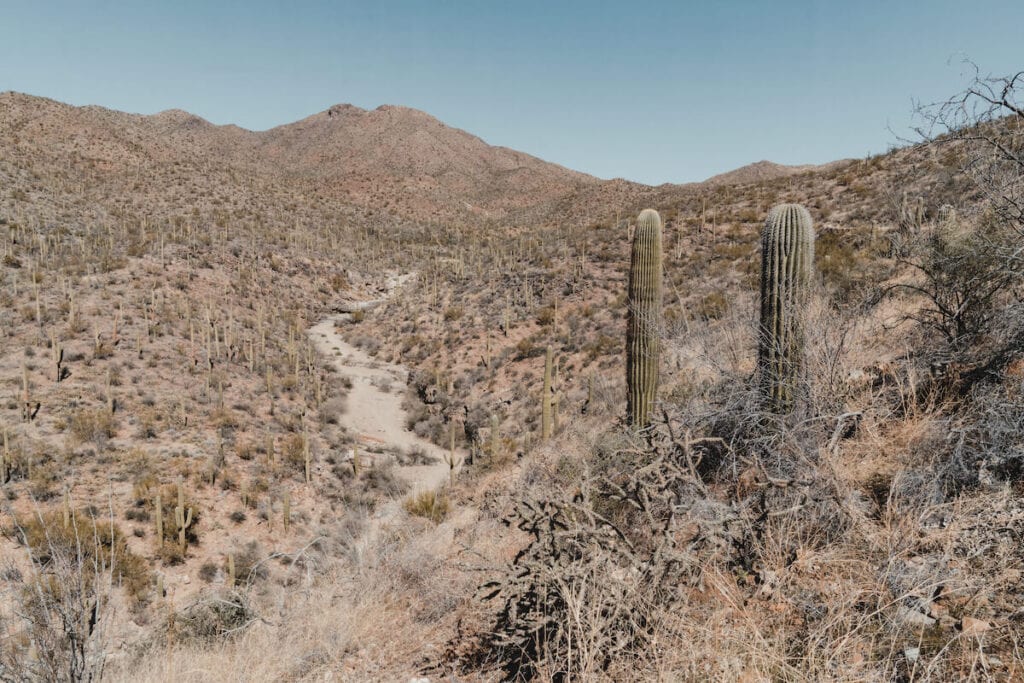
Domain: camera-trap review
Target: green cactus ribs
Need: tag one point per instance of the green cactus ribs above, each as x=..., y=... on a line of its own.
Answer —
x=643, y=332
x=787, y=262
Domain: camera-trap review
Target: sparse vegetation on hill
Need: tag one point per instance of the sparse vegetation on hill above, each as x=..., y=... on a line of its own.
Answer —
x=827, y=486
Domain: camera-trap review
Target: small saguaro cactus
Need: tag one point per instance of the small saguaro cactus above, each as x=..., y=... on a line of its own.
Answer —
x=787, y=262
x=158, y=504
x=307, y=459
x=546, y=415
x=5, y=460
x=26, y=396
x=495, y=437
x=57, y=356
x=643, y=332
x=182, y=519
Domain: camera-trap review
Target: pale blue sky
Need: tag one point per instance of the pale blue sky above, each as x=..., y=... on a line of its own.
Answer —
x=650, y=91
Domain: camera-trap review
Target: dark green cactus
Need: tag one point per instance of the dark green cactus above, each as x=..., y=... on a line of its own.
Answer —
x=643, y=334
x=787, y=262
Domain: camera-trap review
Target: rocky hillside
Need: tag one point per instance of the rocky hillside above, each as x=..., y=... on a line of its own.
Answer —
x=391, y=159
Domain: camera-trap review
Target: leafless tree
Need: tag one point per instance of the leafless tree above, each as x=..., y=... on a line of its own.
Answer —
x=972, y=265
x=984, y=123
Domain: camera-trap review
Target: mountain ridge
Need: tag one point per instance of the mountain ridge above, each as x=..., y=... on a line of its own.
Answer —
x=393, y=158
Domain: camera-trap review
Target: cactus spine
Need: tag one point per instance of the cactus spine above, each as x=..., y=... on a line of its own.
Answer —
x=643, y=333
x=787, y=261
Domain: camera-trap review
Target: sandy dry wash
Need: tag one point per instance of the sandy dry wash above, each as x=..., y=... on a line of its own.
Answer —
x=374, y=410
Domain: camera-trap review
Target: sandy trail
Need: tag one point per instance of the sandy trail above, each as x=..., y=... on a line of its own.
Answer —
x=374, y=412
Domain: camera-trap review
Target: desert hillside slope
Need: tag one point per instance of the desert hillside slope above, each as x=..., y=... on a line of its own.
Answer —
x=392, y=158
x=188, y=312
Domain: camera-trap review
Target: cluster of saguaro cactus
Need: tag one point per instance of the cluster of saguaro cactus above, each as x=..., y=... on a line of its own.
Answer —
x=643, y=333
x=183, y=518
x=787, y=261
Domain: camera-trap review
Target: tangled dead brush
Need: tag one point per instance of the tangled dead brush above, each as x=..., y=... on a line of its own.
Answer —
x=605, y=564
x=752, y=551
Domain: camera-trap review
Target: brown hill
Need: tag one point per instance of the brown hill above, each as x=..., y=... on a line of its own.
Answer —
x=391, y=161
x=760, y=171
x=393, y=158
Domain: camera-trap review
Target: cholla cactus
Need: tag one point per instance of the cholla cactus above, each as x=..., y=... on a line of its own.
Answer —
x=787, y=261
x=643, y=333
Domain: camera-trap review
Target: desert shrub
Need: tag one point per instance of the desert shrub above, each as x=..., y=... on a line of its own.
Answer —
x=527, y=347
x=713, y=306
x=208, y=572
x=332, y=410
x=966, y=276
x=546, y=315
x=43, y=479
x=137, y=514
x=432, y=505
x=850, y=260
x=415, y=455
x=293, y=451
x=602, y=345
x=86, y=541
x=249, y=565
x=382, y=479
x=213, y=617
x=95, y=425
x=578, y=597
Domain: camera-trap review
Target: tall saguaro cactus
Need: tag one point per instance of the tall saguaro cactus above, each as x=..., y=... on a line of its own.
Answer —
x=787, y=262
x=182, y=519
x=643, y=334
x=546, y=406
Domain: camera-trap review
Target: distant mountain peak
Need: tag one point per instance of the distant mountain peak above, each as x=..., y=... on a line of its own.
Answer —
x=344, y=109
x=763, y=170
